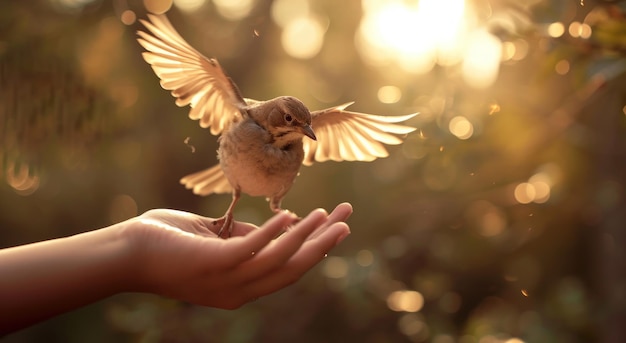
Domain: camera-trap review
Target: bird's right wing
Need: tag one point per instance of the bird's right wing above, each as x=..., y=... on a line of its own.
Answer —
x=192, y=78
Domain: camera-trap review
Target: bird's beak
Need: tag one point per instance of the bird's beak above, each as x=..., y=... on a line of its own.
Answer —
x=307, y=130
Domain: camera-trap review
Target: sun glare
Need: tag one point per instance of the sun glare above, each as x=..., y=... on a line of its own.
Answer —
x=416, y=36
x=481, y=60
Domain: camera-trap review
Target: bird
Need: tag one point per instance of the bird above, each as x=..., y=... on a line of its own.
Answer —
x=262, y=144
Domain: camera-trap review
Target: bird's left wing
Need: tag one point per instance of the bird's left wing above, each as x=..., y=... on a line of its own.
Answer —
x=352, y=136
x=193, y=79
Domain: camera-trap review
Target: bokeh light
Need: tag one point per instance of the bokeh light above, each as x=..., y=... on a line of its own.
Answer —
x=556, y=30
x=461, y=127
x=481, y=60
x=418, y=36
x=413, y=326
x=189, y=5
x=577, y=29
x=405, y=301
x=525, y=193
x=21, y=178
x=284, y=11
x=71, y=4
x=335, y=267
x=157, y=6
x=234, y=9
x=364, y=258
x=128, y=17
x=389, y=94
x=303, y=37
x=562, y=67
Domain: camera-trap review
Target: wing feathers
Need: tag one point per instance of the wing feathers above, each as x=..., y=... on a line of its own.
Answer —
x=207, y=181
x=192, y=78
x=352, y=136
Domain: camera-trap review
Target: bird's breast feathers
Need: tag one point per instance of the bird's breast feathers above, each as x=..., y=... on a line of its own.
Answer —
x=256, y=166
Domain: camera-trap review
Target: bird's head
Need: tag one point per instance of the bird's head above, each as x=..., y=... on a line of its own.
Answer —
x=289, y=119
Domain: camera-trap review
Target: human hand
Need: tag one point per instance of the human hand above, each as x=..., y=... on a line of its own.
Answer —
x=179, y=255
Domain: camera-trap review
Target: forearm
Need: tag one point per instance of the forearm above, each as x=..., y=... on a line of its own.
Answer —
x=40, y=280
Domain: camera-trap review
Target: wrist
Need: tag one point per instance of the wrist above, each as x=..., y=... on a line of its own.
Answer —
x=129, y=258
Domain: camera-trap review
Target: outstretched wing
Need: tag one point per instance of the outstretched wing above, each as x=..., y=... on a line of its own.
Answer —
x=352, y=136
x=192, y=78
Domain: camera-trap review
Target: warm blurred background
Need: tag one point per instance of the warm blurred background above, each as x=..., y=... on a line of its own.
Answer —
x=501, y=219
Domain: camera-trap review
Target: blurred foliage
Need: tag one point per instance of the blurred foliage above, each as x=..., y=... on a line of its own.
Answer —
x=512, y=234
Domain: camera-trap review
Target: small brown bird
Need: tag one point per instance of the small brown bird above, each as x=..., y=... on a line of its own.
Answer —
x=262, y=143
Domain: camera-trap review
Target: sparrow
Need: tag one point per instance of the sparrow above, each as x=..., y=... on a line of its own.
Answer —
x=262, y=144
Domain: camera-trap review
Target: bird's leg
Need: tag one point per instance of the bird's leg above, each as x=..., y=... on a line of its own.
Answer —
x=227, y=219
x=275, y=206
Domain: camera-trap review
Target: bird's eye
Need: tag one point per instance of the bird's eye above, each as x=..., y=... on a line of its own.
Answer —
x=288, y=118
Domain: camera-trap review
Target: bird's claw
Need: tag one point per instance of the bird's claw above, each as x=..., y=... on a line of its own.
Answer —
x=226, y=224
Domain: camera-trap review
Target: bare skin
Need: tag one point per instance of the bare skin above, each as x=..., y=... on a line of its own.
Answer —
x=171, y=253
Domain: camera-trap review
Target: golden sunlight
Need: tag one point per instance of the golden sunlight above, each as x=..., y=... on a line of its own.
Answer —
x=415, y=37
x=481, y=60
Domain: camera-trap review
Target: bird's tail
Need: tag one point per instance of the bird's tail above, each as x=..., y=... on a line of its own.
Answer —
x=207, y=181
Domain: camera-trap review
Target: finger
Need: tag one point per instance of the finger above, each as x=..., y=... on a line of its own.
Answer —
x=280, y=251
x=341, y=213
x=236, y=250
x=311, y=253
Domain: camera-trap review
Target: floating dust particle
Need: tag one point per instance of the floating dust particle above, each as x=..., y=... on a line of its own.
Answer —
x=256, y=33
x=524, y=292
x=441, y=148
x=494, y=108
x=193, y=148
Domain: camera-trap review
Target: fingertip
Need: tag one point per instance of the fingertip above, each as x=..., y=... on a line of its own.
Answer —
x=346, y=206
x=344, y=231
x=288, y=213
x=341, y=212
x=279, y=222
x=319, y=211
